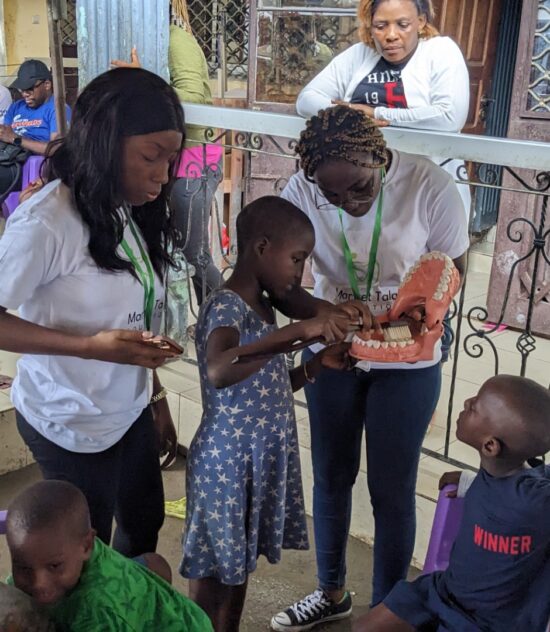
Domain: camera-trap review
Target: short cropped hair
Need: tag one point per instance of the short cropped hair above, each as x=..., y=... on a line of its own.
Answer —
x=272, y=217
x=531, y=404
x=46, y=505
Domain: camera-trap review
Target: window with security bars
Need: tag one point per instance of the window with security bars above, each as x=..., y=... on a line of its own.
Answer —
x=538, y=90
x=68, y=26
x=295, y=40
x=222, y=23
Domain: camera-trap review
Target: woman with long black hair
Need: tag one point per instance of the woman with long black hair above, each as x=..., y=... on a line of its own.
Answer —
x=83, y=260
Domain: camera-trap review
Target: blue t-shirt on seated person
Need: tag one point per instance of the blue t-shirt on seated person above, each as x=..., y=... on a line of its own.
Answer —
x=34, y=123
x=500, y=564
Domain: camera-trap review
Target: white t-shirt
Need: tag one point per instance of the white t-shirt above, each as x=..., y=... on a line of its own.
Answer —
x=49, y=276
x=422, y=212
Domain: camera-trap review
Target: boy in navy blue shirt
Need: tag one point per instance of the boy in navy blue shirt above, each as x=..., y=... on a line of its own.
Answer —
x=498, y=579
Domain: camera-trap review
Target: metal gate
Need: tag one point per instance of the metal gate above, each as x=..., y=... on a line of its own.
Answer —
x=222, y=29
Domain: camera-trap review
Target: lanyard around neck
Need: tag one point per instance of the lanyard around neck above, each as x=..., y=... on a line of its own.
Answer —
x=352, y=275
x=146, y=277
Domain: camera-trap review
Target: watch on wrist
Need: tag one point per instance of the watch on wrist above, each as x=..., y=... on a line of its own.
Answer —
x=17, y=141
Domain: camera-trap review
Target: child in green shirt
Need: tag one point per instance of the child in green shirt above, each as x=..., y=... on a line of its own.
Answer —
x=85, y=585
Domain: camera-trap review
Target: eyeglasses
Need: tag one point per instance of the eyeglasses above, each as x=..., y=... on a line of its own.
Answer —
x=363, y=196
x=36, y=85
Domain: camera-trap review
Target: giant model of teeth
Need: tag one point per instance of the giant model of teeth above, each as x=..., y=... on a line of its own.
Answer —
x=432, y=283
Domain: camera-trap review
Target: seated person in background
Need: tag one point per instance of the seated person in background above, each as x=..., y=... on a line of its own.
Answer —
x=19, y=613
x=86, y=585
x=498, y=579
x=30, y=122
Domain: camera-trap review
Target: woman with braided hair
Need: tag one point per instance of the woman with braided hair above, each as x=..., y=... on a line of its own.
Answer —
x=375, y=212
x=402, y=73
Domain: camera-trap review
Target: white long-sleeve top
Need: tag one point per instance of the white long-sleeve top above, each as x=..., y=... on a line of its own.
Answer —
x=436, y=84
x=435, y=81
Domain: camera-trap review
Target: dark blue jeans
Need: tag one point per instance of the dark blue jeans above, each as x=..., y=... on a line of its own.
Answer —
x=394, y=407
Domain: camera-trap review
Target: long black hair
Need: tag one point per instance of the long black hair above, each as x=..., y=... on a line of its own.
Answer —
x=89, y=161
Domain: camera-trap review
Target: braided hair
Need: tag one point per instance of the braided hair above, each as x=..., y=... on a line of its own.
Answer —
x=180, y=15
x=367, y=9
x=338, y=133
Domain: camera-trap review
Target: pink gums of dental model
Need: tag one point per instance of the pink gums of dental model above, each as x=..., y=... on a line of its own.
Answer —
x=430, y=284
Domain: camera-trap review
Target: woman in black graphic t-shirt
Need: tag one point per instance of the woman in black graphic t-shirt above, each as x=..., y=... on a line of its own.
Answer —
x=402, y=73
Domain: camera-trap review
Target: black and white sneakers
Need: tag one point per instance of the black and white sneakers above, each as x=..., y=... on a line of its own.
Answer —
x=311, y=611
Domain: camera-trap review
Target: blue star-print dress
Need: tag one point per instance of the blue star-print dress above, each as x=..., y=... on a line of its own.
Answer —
x=244, y=487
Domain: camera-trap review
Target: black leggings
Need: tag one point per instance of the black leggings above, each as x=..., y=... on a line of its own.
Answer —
x=123, y=481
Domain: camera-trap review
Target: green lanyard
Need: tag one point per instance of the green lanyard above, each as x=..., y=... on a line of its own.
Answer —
x=146, y=277
x=352, y=276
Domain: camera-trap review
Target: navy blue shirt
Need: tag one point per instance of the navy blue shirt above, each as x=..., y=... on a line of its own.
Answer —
x=499, y=571
x=34, y=123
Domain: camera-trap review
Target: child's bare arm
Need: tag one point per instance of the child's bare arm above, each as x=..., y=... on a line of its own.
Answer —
x=333, y=357
x=222, y=347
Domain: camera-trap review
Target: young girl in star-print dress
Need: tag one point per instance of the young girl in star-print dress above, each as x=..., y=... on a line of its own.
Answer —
x=244, y=489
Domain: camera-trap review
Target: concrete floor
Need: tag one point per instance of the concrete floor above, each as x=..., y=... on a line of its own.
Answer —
x=271, y=588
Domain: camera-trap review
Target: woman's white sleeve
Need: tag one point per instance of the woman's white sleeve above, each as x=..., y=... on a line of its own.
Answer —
x=331, y=83
x=29, y=258
x=449, y=97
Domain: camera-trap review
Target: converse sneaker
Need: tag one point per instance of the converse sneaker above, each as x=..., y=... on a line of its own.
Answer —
x=310, y=611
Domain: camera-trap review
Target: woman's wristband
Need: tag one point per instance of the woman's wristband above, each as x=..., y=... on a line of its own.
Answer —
x=158, y=396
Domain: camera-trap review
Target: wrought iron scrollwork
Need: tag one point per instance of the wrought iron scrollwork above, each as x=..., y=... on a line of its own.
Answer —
x=474, y=335
x=490, y=176
x=249, y=140
x=517, y=230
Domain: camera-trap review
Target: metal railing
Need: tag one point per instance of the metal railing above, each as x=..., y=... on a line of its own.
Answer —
x=263, y=133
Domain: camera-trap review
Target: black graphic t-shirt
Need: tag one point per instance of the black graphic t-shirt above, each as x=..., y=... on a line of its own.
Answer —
x=382, y=86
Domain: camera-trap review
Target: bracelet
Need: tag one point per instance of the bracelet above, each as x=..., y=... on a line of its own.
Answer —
x=309, y=379
x=158, y=396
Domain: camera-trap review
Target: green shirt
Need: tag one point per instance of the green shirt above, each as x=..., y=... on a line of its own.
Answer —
x=188, y=75
x=115, y=594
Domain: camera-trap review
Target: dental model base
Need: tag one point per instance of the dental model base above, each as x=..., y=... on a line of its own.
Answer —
x=431, y=283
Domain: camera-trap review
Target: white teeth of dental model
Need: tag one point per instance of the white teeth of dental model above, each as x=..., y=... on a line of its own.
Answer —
x=438, y=296
x=396, y=332
x=376, y=344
